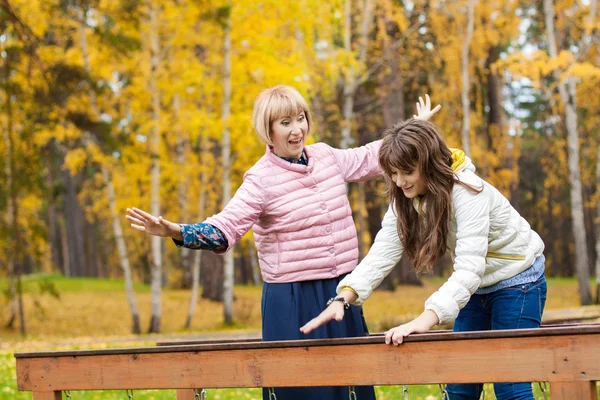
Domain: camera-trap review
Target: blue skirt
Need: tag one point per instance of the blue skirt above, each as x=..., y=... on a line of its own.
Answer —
x=288, y=306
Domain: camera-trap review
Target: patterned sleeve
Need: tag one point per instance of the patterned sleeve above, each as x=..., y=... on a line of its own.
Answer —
x=202, y=236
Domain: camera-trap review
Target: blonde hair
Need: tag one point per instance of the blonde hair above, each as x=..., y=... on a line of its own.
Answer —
x=274, y=103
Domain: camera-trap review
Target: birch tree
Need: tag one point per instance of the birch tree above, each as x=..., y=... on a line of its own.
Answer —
x=110, y=188
x=228, y=273
x=567, y=91
x=154, y=140
x=464, y=68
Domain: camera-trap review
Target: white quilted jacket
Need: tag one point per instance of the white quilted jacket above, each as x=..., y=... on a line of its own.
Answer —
x=489, y=240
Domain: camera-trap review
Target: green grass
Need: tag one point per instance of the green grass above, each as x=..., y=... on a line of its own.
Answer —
x=32, y=283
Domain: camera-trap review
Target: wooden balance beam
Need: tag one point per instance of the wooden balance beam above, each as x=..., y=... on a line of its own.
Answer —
x=566, y=357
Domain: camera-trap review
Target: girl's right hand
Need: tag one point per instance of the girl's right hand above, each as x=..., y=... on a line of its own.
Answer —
x=157, y=226
x=424, y=111
x=334, y=311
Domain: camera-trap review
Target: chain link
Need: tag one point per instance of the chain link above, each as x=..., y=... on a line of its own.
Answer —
x=129, y=393
x=272, y=395
x=544, y=389
x=445, y=395
x=200, y=394
x=351, y=393
x=68, y=394
x=404, y=392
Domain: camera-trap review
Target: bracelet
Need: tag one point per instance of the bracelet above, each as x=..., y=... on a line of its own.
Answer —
x=341, y=300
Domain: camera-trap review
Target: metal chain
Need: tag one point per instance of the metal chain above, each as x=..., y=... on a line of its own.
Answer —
x=404, y=392
x=544, y=389
x=445, y=395
x=129, y=393
x=68, y=394
x=200, y=394
x=272, y=395
x=351, y=393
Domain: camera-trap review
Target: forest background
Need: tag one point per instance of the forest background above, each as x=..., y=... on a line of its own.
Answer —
x=110, y=104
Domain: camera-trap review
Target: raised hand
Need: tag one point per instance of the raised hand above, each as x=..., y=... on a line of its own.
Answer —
x=334, y=311
x=424, y=111
x=157, y=226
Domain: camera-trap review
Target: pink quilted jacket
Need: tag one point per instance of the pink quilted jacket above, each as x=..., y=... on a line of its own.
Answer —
x=300, y=214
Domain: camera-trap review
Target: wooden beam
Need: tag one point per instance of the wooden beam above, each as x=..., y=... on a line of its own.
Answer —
x=560, y=358
x=186, y=394
x=573, y=390
x=54, y=395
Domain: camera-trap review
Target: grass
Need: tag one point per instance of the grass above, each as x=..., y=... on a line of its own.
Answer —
x=94, y=313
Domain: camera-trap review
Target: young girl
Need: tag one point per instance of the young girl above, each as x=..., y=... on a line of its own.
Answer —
x=295, y=200
x=437, y=202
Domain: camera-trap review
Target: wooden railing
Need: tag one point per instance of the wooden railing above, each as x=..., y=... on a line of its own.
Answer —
x=566, y=357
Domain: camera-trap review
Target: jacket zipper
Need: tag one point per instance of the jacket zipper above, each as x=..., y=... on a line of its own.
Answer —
x=505, y=256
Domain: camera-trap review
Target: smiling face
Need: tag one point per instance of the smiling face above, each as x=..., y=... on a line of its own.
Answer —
x=288, y=135
x=410, y=182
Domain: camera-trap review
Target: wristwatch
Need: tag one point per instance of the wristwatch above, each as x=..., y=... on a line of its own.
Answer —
x=341, y=300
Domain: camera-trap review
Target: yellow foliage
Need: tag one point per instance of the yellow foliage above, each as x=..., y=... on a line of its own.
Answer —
x=75, y=160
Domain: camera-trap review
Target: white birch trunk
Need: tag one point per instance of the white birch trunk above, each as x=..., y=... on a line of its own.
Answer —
x=110, y=191
x=346, y=140
x=181, y=189
x=464, y=68
x=568, y=98
x=197, y=260
x=156, y=269
x=228, y=273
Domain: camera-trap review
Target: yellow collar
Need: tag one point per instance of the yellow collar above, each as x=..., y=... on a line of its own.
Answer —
x=459, y=158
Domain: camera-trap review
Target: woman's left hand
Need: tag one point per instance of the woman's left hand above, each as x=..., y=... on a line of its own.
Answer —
x=421, y=324
x=424, y=111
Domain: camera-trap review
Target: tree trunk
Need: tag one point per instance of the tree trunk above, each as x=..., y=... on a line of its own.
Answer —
x=12, y=220
x=197, y=259
x=10, y=250
x=256, y=277
x=74, y=226
x=598, y=224
x=181, y=187
x=156, y=269
x=567, y=93
x=122, y=249
x=228, y=275
x=494, y=98
x=53, y=236
x=212, y=276
x=466, y=104
x=110, y=192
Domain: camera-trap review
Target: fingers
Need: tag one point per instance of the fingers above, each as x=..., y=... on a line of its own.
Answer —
x=313, y=324
x=396, y=335
x=134, y=220
x=139, y=227
x=140, y=214
x=334, y=311
x=436, y=109
x=164, y=222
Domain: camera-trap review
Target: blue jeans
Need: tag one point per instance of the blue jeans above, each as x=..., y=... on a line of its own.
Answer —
x=515, y=307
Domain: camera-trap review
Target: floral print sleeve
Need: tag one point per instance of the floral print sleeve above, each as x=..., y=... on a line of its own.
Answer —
x=202, y=236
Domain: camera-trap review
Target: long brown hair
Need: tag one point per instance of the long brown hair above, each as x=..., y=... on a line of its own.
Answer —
x=410, y=145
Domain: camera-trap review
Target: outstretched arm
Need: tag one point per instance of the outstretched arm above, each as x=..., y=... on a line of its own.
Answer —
x=356, y=287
